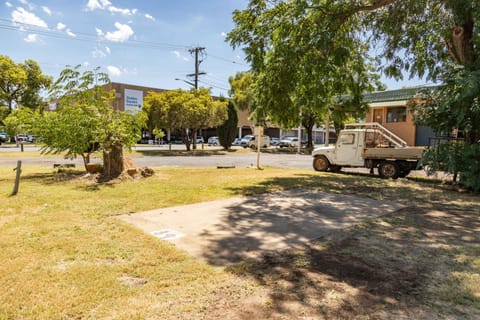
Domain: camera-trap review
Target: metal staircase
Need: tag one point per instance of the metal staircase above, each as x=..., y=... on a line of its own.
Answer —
x=381, y=131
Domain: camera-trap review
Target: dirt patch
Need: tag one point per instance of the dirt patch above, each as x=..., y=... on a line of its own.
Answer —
x=406, y=265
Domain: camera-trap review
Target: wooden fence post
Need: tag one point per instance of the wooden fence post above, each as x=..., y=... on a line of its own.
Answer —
x=17, y=177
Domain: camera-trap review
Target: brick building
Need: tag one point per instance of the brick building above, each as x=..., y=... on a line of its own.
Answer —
x=390, y=109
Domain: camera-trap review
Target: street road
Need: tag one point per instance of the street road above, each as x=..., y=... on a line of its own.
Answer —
x=239, y=160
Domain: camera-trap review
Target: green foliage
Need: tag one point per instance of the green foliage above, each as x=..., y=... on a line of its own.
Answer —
x=184, y=111
x=301, y=61
x=228, y=130
x=455, y=104
x=4, y=111
x=470, y=171
x=19, y=121
x=20, y=84
x=241, y=90
x=70, y=130
x=456, y=157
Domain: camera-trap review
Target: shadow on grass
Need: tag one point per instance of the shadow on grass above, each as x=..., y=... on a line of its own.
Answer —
x=54, y=177
x=403, y=263
x=87, y=182
x=181, y=153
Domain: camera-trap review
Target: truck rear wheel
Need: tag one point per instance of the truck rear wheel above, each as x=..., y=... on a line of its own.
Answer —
x=388, y=169
x=320, y=163
x=403, y=173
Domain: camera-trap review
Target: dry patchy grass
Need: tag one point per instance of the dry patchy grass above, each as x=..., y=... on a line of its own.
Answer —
x=65, y=255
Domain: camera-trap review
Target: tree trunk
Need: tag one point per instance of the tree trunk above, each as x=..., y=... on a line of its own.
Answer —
x=194, y=139
x=113, y=162
x=308, y=123
x=86, y=159
x=185, y=139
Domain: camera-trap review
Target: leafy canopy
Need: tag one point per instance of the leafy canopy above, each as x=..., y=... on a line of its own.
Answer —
x=301, y=63
x=21, y=84
x=184, y=111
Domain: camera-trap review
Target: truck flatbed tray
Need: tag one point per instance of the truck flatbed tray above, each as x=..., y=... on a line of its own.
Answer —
x=407, y=153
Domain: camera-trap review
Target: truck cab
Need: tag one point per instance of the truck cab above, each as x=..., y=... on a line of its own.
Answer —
x=368, y=145
x=347, y=151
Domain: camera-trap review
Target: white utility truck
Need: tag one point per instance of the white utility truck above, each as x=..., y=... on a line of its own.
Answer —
x=368, y=145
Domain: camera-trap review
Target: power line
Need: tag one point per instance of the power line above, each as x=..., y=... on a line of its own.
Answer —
x=81, y=36
x=94, y=38
x=217, y=82
x=228, y=60
x=212, y=85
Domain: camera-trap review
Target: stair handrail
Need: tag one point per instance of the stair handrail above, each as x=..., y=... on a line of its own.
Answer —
x=390, y=136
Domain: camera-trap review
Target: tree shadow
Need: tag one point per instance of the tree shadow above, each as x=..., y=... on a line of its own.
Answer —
x=401, y=264
x=394, y=266
x=182, y=153
x=54, y=177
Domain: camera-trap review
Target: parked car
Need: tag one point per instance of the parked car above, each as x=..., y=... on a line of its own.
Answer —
x=21, y=138
x=200, y=139
x=249, y=141
x=3, y=137
x=288, y=142
x=213, y=141
x=32, y=138
x=236, y=142
x=274, y=141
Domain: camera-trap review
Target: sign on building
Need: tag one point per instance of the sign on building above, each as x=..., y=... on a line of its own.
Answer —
x=133, y=100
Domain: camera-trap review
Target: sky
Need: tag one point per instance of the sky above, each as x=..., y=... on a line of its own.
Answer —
x=144, y=43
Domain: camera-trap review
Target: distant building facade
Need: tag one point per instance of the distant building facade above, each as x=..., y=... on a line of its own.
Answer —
x=390, y=109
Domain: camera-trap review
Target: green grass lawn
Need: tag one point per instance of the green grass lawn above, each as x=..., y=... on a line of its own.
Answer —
x=64, y=254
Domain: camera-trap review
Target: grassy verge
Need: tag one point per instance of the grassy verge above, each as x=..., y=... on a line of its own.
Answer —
x=65, y=255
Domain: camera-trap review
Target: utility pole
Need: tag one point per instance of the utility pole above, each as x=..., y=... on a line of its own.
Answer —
x=200, y=55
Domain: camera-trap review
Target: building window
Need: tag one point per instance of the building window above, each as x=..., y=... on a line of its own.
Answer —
x=397, y=114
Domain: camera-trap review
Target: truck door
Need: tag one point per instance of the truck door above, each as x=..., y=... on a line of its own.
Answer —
x=348, y=152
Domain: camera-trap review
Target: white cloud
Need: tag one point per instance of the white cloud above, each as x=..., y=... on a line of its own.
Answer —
x=8, y=4
x=127, y=12
x=122, y=34
x=108, y=50
x=28, y=4
x=97, y=4
x=98, y=54
x=86, y=64
x=99, y=32
x=47, y=10
x=60, y=26
x=20, y=15
x=70, y=33
x=107, y=5
x=148, y=16
x=31, y=38
x=115, y=71
x=180, y=56
x=223, y=34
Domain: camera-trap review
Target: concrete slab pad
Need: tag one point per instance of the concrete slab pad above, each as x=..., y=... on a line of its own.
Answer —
x=229, y=230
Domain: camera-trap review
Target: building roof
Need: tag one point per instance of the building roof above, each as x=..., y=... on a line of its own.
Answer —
x=391, y=95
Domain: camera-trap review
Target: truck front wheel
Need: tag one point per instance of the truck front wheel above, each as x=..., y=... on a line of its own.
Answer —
x=321, y=163
x=388, y=169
